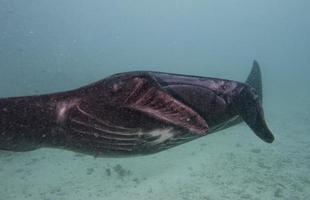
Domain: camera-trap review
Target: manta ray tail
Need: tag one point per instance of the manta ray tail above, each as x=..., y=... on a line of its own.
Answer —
x=249, y=105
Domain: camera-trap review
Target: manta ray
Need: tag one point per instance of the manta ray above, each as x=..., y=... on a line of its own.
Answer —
x=133, y=113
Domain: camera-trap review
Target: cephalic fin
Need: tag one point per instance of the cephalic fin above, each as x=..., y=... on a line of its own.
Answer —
x=251, y=111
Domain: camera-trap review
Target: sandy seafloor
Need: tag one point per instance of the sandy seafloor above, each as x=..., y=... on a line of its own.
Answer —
x=232, y=164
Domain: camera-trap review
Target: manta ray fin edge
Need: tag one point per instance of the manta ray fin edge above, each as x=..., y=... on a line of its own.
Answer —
x=255, y=80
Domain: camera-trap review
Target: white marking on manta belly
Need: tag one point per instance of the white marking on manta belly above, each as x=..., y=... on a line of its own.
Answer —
x=63, y=107
x=165, y=134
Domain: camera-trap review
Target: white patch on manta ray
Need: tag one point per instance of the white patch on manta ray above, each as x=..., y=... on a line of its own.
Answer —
x=63, y=107
x=164, y=134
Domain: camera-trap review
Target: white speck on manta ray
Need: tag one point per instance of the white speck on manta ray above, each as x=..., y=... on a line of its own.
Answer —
x=163, y=135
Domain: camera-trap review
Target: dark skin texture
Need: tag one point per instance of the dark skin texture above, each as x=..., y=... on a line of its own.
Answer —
x=134, y=113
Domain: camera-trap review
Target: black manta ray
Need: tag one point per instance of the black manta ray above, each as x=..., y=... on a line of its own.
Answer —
x=132, y=113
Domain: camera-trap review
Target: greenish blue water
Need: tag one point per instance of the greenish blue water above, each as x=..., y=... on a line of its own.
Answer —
x=49, y=46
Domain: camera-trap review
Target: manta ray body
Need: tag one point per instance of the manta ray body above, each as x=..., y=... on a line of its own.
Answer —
x=132, y=113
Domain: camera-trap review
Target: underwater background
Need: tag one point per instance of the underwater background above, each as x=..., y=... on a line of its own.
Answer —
x=48, y=46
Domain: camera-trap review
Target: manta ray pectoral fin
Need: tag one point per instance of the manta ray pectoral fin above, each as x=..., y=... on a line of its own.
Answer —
x=148, y=97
